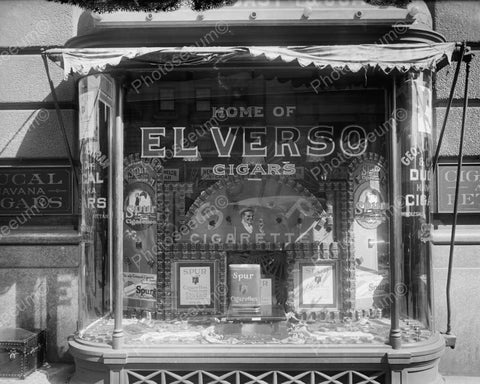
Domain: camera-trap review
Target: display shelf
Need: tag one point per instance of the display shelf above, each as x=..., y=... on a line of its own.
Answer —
x=266, y=314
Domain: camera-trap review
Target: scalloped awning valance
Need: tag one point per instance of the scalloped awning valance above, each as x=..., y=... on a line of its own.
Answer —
x=400, y=57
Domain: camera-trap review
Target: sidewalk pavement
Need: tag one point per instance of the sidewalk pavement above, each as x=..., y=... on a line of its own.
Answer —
x=47, y=374
x=460, y=380
x=61, y=373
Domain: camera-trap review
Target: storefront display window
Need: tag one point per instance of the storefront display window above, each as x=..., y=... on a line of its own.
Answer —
x=257, y=210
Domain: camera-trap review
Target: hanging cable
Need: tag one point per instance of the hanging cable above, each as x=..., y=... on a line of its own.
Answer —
x=449, y=105
x=457, y=187
x=60, y=119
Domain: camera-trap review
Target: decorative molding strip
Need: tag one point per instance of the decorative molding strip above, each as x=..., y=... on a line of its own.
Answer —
x=32, y=105
x=463, y=236
x=243, y=377
x=456, y=103
x=48, y=236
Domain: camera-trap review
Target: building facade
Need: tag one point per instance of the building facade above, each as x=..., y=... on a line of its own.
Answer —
x=58, y=238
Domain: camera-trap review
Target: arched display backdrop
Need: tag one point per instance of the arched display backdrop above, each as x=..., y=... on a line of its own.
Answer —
x=269, y=210
x=273, y=221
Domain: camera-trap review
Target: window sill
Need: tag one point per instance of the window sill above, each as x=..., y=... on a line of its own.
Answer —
x=42, y=235
x=463, y=236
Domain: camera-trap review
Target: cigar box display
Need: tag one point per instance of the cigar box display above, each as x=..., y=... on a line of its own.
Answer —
x=266, y=290
x=21, y=351
x=244, y=287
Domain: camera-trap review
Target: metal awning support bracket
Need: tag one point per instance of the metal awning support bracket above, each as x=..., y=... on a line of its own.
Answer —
x=449, y=106
x=61, y=123
x=450, y=339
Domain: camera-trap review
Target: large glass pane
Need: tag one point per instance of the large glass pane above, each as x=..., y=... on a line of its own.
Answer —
x=95, y=123
x=256, y=210
x=414, y=97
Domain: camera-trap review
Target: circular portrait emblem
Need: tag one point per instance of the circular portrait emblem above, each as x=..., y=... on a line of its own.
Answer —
x=369, y=208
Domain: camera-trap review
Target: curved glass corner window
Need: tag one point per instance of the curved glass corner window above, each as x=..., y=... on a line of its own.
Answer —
x=414, y=100
x=256, y=210
x=95, y=124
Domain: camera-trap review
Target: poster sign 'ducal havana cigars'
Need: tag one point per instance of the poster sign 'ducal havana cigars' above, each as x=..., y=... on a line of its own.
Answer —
x=43, y=190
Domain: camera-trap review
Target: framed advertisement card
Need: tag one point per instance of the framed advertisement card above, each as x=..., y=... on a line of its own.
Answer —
x=196, y=285
x=315, y=285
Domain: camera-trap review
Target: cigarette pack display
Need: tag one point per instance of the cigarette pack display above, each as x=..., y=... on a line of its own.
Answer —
x=266, y=291
x=245, y=287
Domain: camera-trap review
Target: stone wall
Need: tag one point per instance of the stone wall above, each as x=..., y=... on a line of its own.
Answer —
x=459, y=21
x=39, y=266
